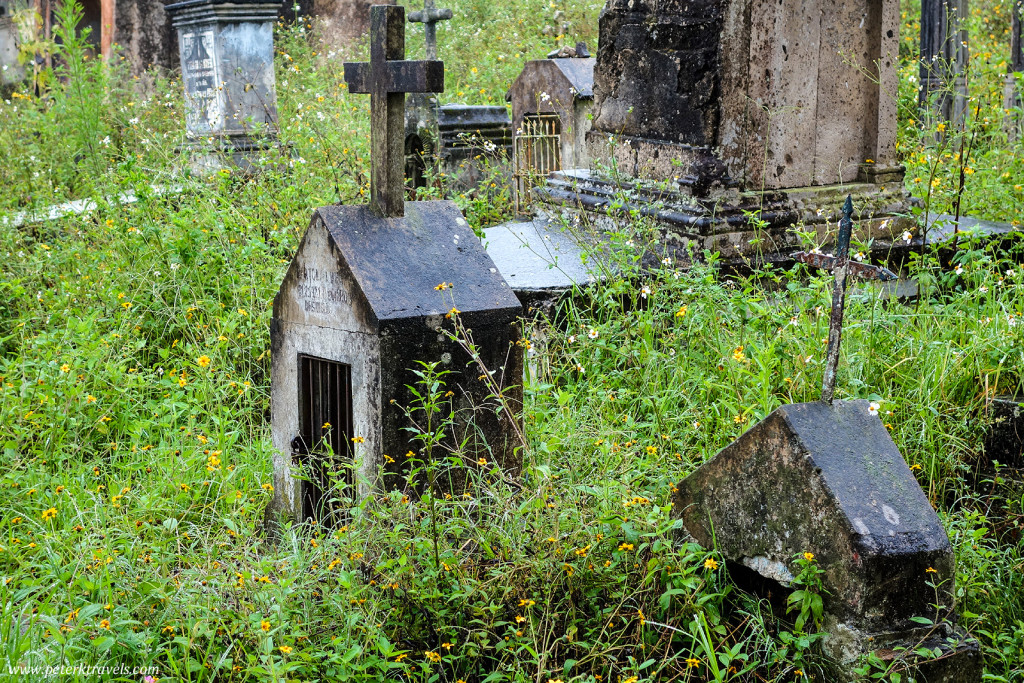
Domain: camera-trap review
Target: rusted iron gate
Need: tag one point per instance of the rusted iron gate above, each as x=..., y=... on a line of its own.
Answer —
x=537, y=152
x=324, y=446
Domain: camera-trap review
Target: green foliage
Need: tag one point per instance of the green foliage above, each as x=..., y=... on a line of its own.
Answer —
x=134, y=358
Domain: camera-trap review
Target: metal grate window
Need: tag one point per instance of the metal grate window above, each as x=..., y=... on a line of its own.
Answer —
x=324, y=443
x=538, y=151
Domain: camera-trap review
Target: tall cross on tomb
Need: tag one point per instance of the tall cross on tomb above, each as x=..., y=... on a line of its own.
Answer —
x=387, y=78
x=429, y=16
x=842, y=267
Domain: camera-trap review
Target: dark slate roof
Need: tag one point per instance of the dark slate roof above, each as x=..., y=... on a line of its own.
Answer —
x=580, y=73
x=398, y=262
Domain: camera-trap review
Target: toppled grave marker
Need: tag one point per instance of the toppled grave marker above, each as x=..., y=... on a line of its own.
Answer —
x=359, y=307
x=826, y=478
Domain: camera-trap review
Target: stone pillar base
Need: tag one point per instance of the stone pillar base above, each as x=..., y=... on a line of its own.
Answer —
x=740, y=226
x=236, y=153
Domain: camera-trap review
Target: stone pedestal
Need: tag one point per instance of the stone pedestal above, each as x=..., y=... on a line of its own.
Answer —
x=719, y=219
x=358, y=309
x=718, y=101
x=227, y=65
x=828, y=480
x=143, y=30
x=762, y=89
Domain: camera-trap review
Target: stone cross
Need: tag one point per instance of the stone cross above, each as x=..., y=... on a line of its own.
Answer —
x=429, y=17
x=842, y=268
x=387, y=78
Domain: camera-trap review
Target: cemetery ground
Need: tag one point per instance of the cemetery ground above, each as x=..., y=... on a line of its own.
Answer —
x=134, y=394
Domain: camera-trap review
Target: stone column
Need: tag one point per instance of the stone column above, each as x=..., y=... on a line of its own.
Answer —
x=227, y=66
x=944, y=55
x=143, y=30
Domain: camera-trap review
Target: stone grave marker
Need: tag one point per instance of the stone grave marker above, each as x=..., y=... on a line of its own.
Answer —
x=706, y=111
x=826, y=478
x=551, y=111
x=372, y=291
x=944, y=54
x=227, y=66
x=450, y=138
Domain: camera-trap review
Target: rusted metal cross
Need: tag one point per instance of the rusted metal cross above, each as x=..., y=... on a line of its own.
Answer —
x=387, y=78
x=842, y=268
x=429, y=17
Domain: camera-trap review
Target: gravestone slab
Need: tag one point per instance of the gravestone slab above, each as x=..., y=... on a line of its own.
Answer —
x=827, y=479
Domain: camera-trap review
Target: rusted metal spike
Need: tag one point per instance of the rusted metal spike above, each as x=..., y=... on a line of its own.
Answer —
x=835, y=326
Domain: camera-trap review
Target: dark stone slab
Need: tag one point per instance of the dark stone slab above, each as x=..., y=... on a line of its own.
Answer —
x=397, y=262
x=828, y=479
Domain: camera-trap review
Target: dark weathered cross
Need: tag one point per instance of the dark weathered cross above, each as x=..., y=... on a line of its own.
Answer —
x=387, y=78
x=429, y=17
x=842, y=268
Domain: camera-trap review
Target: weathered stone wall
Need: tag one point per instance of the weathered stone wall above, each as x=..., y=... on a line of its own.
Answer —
x=657, y=73
x=143, y=30
x=783, y=94
x=340, y=22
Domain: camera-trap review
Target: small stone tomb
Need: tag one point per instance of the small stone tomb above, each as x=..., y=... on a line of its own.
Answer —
x=826, y=478
x=551, y=105
x=456, y=141
x=227, y=66
x=363, y=303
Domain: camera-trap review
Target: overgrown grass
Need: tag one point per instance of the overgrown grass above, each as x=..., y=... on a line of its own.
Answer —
x=134, y=398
